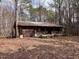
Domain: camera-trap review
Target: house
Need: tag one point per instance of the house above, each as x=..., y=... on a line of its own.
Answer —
x=32, y=29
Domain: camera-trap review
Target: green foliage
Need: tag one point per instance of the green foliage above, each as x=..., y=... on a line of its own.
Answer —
x=50, y=16
x=25, y=1
x=48, y=13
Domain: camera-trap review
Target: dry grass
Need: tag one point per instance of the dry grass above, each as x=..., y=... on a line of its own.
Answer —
x=31, y=48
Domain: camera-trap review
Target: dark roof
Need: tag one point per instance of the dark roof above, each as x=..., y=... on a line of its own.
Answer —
x=42, y=24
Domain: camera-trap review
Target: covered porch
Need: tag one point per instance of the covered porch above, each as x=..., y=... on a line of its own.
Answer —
x=37, y=29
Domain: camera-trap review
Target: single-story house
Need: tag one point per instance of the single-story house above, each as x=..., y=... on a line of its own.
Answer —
x=30, y=29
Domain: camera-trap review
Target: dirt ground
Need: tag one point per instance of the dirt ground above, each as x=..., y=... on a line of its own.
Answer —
x=37, y=48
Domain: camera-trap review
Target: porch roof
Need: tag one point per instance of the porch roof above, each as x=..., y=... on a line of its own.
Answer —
x=39, y=24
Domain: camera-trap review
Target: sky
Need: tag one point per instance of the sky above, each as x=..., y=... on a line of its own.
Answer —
x=44, y=3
